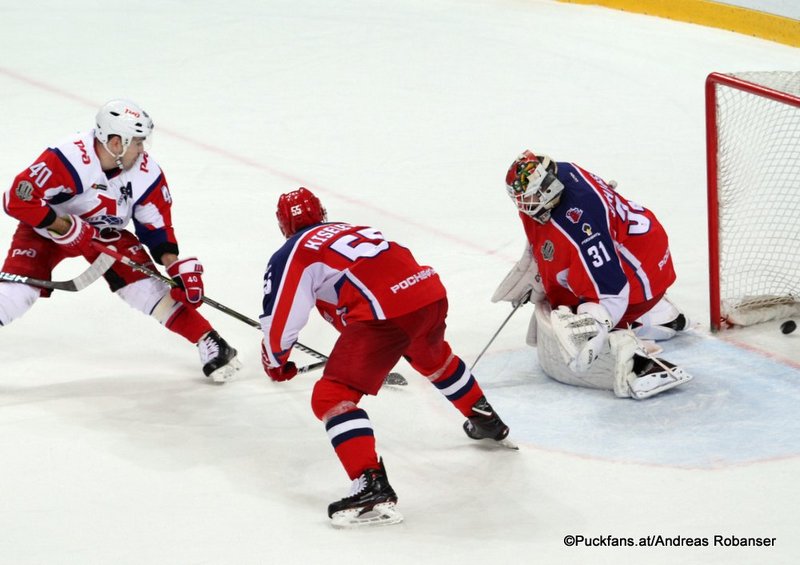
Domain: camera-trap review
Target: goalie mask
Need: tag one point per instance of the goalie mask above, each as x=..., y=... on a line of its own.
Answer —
x=532, y=184
x=125, y=119
x=299, y=209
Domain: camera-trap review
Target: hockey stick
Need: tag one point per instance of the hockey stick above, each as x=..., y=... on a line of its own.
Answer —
x=94, y=272
x=391, y=378
x=522, y=300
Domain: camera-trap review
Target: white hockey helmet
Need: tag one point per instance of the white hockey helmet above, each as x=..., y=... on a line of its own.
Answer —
x=123, y=118
x=532, y=184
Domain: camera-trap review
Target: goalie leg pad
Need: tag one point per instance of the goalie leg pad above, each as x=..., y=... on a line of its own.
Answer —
x=15, y=300
x=656, y=377
x=638, y=374
x=530, y=337
x=663, y=321
x=551, y=358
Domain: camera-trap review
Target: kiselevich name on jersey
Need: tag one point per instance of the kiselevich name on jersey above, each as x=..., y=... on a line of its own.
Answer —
x=321, y=236
x=412, y=280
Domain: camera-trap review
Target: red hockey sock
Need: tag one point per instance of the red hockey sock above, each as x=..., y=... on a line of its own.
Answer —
x=354, y=441
x=459, y=386
x=187, y=322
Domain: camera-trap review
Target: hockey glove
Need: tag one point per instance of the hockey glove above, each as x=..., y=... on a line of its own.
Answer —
x=188, y=276
x=78, y=238
x=582, y=336
x=523, y=283
x=284, y=372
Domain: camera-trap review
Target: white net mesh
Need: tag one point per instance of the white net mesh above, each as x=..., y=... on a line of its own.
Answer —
x=759, y=199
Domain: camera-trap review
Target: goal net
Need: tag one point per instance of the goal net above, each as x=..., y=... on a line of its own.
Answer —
x=753, y=161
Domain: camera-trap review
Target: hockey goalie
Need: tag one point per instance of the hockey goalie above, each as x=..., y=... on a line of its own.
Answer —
x=597, y=267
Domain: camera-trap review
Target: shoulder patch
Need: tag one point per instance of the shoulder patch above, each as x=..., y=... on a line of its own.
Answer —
x=24, y=191
x=548, y=250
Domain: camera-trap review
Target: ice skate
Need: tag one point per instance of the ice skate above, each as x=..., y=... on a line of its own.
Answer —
x=371, y=502
x=654, y=376
x=486, y=424
x=218, y=358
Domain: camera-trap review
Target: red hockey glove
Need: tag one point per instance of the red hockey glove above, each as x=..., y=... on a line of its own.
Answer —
x=285, y=372
x=78, y=237
x=188, y=275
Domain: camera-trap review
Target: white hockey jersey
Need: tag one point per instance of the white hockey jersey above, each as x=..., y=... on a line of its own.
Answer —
x=68, y=179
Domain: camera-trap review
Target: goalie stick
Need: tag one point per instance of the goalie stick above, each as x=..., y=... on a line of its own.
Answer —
x=391, y=379
x=522, y=300
x=96, y=270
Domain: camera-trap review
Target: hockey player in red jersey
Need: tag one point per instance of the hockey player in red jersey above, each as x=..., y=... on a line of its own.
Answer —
x=386, y=306
x=88, y=188
x=596, y=264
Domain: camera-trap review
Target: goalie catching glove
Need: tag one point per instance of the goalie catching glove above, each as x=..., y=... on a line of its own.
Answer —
x=522, y=283
x=285, y=372
x=188, y=277
x=582, y=336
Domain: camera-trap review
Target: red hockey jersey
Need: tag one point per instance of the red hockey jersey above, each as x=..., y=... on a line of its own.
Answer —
x=599, y=247
x=349, y=273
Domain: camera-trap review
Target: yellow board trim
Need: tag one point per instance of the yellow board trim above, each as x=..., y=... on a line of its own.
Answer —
x=712, y=14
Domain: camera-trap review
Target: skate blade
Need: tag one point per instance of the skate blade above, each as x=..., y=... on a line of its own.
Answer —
x=384, y=514
x=494, y=443
x=226, y=372
x=395, y=379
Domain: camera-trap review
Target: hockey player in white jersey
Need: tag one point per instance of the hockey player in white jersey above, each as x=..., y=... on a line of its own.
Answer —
x=88, y=188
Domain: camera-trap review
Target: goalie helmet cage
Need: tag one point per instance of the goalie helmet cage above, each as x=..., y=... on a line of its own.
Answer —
x=753, y=165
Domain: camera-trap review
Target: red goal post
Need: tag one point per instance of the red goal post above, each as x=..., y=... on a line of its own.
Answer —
x=753, y=165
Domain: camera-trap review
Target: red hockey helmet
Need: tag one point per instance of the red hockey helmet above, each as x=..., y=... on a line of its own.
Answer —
x=299, y=209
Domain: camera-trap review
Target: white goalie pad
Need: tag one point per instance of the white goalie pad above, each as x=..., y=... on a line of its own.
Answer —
x=612, y=369
x=530, y=337
x=552, y=357
x=522, y=277
x=656, y=378
x=654, y=323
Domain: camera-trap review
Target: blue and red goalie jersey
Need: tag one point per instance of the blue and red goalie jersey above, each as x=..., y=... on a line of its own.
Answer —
x=599, y=247
x=350, y=273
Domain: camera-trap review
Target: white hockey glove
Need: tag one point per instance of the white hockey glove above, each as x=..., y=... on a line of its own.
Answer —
x=582, y=336
x=523, y=277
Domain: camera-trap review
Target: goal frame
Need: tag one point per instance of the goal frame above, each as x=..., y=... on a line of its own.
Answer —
x=712, y=82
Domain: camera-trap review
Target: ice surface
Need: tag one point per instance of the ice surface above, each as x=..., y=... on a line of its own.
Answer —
x=405, y=116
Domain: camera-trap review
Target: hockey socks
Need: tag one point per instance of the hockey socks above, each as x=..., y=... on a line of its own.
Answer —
x=459, y=386
x=353, y=440
x=188, y=323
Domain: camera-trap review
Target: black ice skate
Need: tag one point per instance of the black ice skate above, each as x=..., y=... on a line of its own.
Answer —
x=371, y=502
x=218, y=358
x=486, y=424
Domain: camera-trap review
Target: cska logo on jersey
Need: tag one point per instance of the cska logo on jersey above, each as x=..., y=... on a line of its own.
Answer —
x=574, y=215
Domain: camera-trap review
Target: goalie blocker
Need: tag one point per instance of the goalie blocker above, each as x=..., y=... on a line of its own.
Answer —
x=621, y=363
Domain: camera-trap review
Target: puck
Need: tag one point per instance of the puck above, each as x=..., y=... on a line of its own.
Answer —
x=788, y=327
